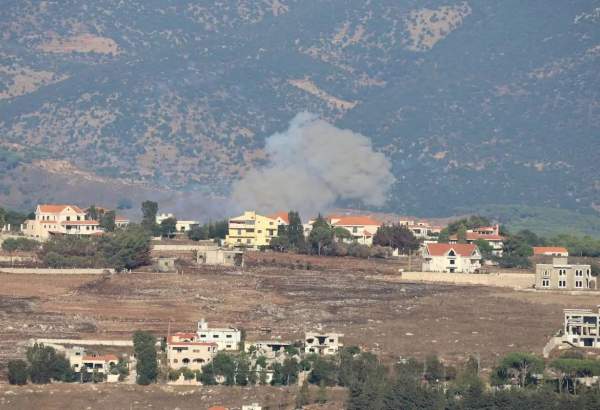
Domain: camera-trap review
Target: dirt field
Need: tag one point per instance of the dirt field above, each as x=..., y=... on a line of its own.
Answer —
x=289, y=295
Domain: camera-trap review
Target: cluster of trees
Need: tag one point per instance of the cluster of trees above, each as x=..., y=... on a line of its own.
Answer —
x=407, y=386
x=13, y=218
x=124, y=249
x=210, y=230
x=45, y=365
x=106, y=219
x=42, y=366
x=325, y=239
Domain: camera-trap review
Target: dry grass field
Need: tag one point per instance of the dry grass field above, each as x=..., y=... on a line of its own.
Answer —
x=287, y=294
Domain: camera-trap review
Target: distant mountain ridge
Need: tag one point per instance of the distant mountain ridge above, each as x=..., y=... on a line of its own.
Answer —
x=473, y=102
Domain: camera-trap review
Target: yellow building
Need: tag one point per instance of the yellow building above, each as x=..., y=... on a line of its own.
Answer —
x=251, y=230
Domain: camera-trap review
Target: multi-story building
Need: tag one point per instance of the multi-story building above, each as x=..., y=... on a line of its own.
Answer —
x=490, y=234
x=560, y=275
x=582, y=327
x=251, y=230
x=60, y=220
x=184, y=350
x=121, y=221
x=550, y=251
x=322, y=343
x=451, y=258
x=227, y=338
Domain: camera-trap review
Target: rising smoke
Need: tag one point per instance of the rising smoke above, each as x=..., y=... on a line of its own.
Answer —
x=311, y=166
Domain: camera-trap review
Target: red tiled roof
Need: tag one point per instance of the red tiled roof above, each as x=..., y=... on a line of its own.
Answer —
x=218, y=408
x=103, y=358
x=441, y=249
x=121, y=219
x=353, y=220
x=55, y=209
x=283, y=215
x=540, y=250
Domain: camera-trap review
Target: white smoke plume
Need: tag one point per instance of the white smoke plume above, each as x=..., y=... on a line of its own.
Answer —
x=311, y=166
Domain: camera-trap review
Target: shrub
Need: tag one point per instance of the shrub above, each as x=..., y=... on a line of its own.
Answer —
x=17, y=372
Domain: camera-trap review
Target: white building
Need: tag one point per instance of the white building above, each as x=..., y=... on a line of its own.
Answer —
x=181, y=226
x=582, y=327
x=452, y=258
x=322, y=343
x=227, y=338
x=490, y=234
x=60, y=220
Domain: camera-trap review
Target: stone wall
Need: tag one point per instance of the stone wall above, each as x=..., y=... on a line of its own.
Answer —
x=47, y=271
x=501, y=279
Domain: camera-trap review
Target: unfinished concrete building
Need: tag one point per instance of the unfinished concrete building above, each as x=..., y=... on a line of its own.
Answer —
x=560, y=275
x=322, y=343
x=220, y=257
x=582, y=328
x=268, y=348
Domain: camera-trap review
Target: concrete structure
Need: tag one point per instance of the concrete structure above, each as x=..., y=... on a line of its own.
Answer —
x=60, y=220
x=582, y=328
x=220, y=257
x=184, y=350
x=451, y=258
x=50, y=271
x=268, y=348
x=550, y=251
x=560, y=275
x=253, y=406
x=490, y=234
x=227, y=338
x=322, y=343
x=166, y=265
x=251, y=230
x=500, y=279
x=180, y=226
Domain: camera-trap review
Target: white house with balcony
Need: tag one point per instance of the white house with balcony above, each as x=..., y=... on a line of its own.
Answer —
x=53, y=219
x=226, y=338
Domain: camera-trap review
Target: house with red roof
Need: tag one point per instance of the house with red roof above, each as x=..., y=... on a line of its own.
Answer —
x=451, y=258
x=282, y=218
x=550, y=251
x=490, y=234
x=53, y=219
x=361, y=227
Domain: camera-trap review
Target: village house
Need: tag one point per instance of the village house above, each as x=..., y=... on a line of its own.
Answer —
x=322, y=343
x=180, y=226
x=184, y=350
x=121, y=221
x=60, y=220
x=451, y=258
x=550, y=251
x=215, y=256
x=281, y=218
x=560, y=275
x=251, y=230
x=227, y=338
x=362, y=228
x=490, y=234
x=582, y=328
x=91, y=363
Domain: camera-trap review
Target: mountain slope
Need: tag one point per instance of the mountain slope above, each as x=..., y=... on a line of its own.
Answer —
x=473, y=102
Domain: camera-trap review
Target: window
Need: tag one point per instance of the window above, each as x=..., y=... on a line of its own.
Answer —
x=203, y=335
x=259, y=231
x=451, y=253
x=239, y=231
x=578, y=284
x=239, y=241
x=228, y=346
x=562, y=272
x=562, y=283
x=452, y=261
x=546, y=274
x=579, y=272
x=68, y=218
x=354, y=230
x=215, y=336
x=228, y=336
x=248, y=241
x=546, y=283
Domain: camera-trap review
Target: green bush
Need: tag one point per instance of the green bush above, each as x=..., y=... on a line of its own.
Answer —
x=17, y=372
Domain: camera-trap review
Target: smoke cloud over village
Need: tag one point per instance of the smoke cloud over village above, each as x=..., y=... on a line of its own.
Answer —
x=311, y=166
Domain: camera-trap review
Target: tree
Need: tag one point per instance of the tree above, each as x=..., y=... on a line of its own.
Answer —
x=303, y=396
x=107, y=221
x=320, y=237
x=522, y=366
x=198, y=233
x=126, y=249
x=340, y=234
x=397, y=237
x=93, y=213
x=45, y=365
x=144, y=346
x=168, y=227
x=149, y=211
x=322, y=393
x=17, y=372
x=485, y=248
x=295, y=230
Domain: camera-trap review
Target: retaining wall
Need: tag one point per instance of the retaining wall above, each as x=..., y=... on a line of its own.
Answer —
x=501, y=279
x=47, y=271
